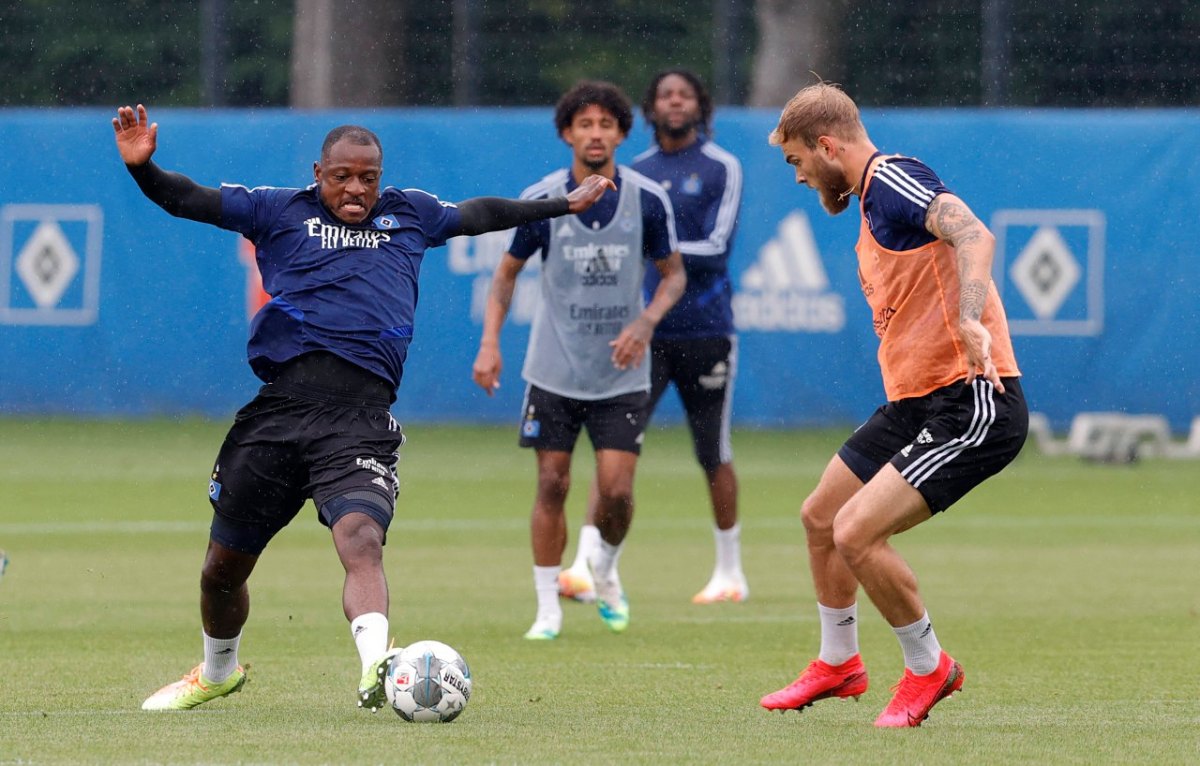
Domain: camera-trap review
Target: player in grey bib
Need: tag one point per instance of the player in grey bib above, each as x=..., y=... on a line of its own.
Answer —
x=591, y=287
x=588, y=361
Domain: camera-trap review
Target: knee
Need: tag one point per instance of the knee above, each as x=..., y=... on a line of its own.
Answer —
x=217, y=578
x=553, y=486
x=358, y=539
x=225, y=570
x=818, y=518
x=617, y=498
x=849, y=538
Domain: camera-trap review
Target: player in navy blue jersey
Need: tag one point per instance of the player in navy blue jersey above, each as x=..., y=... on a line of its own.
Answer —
x=340, y=260
x=694, y=346
x=587, y=360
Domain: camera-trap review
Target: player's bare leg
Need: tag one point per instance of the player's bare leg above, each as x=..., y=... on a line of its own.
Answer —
x=723, y=492
x=575, y=582
x=887, y=506
x=224, y=594
x=548, y=532
x=358, y=540
x=728, y=581
x=835, y=584
x=614, y=513
x=838, y=670
x=548, y=525
x=224, y=608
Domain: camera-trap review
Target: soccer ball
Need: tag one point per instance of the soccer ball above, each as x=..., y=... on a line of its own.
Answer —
x=428, y=682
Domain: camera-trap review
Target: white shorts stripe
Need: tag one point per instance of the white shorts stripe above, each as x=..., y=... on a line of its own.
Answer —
x=726, y=443
x=981, y=420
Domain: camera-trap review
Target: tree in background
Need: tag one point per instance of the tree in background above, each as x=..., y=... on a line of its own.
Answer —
x=61, y=53
x=796, y=43
x=310, y=53
x=347, y=53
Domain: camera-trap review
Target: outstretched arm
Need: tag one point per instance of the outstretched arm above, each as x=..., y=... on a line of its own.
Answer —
x=950, y=219
x=137, y=139
x=483, y=214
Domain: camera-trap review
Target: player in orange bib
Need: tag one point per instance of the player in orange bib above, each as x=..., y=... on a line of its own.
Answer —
x=954, y=416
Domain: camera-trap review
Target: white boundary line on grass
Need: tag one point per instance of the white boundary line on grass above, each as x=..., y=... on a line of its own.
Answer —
x=963, y=518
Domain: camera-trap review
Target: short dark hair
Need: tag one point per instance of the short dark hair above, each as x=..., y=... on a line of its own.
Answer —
x=355, y=134
x=605, y=95
x=706, y=104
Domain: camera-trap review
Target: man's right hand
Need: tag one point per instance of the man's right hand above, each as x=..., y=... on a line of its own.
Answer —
x=137, y=137
x=486, y=370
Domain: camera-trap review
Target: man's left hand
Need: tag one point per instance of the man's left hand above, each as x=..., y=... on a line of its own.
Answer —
x=978, y=343
x=629, y=348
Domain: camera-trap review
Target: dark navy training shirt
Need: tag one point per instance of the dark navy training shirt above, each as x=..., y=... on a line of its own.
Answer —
x=897, y=200
x=704, y=183
x=348, y=290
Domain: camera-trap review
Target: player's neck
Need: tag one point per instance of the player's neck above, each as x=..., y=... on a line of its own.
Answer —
x=672, y=144
x=857, y=155
x=580, y=171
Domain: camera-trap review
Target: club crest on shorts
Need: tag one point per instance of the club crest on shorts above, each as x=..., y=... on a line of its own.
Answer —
x=531, y=427
x=214, y=486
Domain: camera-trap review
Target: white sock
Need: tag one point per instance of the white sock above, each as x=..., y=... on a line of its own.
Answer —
x=729, y=550
x=220, y=657
x=920, y=645
x=370, y=633
x=545, y=584
x=839, y=634
x=589, y=541
x=604, y=570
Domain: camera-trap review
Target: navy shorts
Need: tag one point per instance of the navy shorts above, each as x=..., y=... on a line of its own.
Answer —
x=289, y=445
x=703, y=371
x=552, y=422
x=944, y=443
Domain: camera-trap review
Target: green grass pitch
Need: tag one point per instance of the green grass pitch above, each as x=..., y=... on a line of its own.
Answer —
x=1068, y=591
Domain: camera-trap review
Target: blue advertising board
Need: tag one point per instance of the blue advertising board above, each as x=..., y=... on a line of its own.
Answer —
x=110, y=307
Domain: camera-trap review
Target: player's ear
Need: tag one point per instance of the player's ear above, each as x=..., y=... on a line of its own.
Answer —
x=317, y=172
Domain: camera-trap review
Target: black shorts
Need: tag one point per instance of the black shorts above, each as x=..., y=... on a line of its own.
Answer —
x=552, y=422
x=293, y=442
x=945, y=443
x=703, y=371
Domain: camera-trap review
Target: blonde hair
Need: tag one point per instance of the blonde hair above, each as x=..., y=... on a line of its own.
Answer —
x=821, y=109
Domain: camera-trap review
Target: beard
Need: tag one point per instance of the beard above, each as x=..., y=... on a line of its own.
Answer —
x=833, y=202
x=597, y=164
x=828, y=181
x=677, y=132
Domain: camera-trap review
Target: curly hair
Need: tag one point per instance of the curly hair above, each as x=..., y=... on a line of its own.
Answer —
x=605, y=95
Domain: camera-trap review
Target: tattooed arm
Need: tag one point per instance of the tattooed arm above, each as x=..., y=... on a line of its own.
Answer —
x=949, y=219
